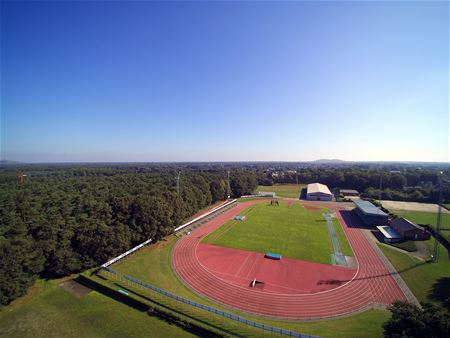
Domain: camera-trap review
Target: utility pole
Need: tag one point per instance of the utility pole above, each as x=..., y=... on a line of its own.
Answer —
x=178, y=182
x=228, y=184
x=438, y=226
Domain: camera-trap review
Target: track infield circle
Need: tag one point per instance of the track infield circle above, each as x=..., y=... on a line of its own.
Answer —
x=293, y=289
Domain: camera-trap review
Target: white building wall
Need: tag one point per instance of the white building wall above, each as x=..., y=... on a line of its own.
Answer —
x=317, y=197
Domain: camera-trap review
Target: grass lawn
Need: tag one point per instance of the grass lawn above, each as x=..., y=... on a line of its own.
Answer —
x=152, y=264
x=447, y=206
x=409, y=246
x=290, y=231
x=430, y=218
x=422, y=276
x=283, y=190
x=49, y=311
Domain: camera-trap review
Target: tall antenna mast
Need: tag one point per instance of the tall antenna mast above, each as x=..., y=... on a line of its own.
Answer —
x=178, y=182
x=228, y=184
x=438, y=226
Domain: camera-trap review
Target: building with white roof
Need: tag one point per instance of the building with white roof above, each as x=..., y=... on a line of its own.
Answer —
x=318, y=192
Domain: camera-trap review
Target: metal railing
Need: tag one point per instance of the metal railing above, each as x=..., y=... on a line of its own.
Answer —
x=223, y=205
x=251, y=323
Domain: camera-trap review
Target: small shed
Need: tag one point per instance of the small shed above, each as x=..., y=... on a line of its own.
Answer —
x=349, y=192
x=408, y=229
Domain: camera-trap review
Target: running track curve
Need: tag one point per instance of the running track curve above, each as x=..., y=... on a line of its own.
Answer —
x=371, y=284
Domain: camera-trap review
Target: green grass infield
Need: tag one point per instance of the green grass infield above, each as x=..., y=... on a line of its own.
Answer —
x=289, y=230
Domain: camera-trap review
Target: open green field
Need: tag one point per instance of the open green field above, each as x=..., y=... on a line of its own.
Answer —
x=421, y=217
x=283, y=190
x=152, y=264
x=50, y=311
x=290, y=231
x=428, y=281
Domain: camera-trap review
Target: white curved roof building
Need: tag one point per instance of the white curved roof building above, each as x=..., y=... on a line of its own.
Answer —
x=318, y=192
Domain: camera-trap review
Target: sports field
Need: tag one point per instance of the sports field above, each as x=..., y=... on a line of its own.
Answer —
x=288, y=229
x=283, y=190
x=152, y=264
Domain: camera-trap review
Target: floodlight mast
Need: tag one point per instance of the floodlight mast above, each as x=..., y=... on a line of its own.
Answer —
x=438, y=223
x=228, y=184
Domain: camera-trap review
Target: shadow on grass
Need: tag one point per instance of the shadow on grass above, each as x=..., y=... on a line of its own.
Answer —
x=335, y=281
x=142, y=307
x=352, y=220
x=174, y=319
x=440, y=291
x=112, y=294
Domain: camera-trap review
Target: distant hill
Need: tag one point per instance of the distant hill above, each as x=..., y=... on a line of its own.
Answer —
x=8, y=162
x=325, y=161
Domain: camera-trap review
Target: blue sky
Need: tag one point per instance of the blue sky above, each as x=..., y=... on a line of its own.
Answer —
x=224, y=81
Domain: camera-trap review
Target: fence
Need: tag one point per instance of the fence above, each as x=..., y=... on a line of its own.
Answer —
x=118, y=258
x=137, y=282
x=137, y=247
x=204, y=215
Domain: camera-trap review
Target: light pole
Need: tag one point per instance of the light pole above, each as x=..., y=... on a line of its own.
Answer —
x=441, y=183
x=228, y=184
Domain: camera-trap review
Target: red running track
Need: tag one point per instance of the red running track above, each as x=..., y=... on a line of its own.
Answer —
x=372, y=282
x=290, y=276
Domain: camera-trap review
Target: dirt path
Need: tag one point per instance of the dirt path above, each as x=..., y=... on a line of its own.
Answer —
x=412, y=206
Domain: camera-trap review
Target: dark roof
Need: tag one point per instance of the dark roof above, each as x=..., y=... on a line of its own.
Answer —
x=404, y=225
x=368, y=208
x=349, y=191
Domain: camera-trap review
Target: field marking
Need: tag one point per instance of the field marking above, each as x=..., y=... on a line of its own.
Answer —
x=242, y=265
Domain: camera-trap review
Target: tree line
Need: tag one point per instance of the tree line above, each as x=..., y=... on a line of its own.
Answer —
x=411, y=184
x=63, y=220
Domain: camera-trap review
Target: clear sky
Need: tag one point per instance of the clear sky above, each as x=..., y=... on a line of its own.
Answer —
x=224, y=81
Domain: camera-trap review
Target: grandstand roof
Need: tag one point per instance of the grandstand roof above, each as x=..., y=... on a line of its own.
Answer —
x=388, y=232
x=315, y=188
x=402, y=224
x=368, y=208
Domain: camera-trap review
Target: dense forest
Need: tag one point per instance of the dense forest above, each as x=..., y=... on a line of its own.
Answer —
x=408, y=184
x=63, y=219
